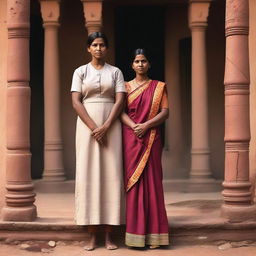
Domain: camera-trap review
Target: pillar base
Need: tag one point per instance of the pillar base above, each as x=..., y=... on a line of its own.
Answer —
x=186, y=185
x=203, y=185
x=236, y=213
x=25, y=214
x=198, y=176
x=54, y=175
x=45, y=186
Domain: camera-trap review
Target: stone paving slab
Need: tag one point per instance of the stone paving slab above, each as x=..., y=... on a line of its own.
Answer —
x=77, y=250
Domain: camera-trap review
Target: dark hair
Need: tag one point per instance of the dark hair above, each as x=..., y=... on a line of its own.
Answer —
x=140, y=51
x=95, y=35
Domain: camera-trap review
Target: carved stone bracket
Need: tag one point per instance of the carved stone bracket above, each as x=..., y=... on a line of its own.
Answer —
x=198, y=13
x=93, y=15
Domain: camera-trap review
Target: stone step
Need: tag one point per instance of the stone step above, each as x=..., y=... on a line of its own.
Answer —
x=181, y=232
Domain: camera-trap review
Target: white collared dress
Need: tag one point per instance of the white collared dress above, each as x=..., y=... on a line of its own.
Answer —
x=99, y=170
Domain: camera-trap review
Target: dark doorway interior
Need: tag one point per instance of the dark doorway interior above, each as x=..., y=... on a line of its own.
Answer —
x=140, y=27
x=185, y=45
x=37, y=91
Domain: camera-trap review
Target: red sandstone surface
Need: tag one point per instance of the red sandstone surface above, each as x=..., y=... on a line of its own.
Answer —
x=75, y=250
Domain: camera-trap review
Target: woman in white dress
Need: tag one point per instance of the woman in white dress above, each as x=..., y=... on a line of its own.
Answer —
x=98, y=93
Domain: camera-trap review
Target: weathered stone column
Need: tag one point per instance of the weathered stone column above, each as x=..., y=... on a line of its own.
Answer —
x=237, y=195
x=252, y=50
x=93, y=15
x=20, y=195
x=53, y=148
x=200, y=152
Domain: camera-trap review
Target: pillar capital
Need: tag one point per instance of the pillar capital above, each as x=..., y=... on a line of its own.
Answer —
x=93, y=15
x=18, y=20
x=50, y=10
x=198, y=13
x=237, y=20
x=53, y=24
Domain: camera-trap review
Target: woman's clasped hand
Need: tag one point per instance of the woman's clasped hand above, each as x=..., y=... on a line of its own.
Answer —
x=100, y=134
x=140, y=129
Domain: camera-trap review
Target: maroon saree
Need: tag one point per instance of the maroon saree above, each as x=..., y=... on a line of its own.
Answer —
x=146, y=220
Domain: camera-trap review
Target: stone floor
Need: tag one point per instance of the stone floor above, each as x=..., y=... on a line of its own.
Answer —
x=194, y=218
x=59, y=207
x=75, y=249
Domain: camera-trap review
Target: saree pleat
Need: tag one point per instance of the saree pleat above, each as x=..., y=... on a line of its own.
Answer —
x=146, y=219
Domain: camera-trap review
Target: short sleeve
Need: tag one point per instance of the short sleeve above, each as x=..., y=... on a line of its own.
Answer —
x=128, y=87
x=119, y=81
x=164, y=101
x=77, y=81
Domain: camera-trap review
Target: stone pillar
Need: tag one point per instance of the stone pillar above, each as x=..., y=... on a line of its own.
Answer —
x=53, y=148
x=3, y=90
x=237, y=195
x=93, y=15
x=20, y=194
x=200, y=152
x=252, y=50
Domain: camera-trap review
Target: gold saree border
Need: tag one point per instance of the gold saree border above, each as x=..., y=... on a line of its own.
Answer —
x=134, y=94
x=134, y=240
x=153, y=112
x=156, y=100
x=136, y=175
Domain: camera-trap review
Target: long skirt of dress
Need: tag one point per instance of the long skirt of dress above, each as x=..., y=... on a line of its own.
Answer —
x=146, y=219
x=99, y=175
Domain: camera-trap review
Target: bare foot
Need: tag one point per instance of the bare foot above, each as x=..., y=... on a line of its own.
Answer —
x=92, y=243
x=108, y=242
x=154, y=246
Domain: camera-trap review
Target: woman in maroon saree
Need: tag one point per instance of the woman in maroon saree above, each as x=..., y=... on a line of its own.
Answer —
x=146, y=109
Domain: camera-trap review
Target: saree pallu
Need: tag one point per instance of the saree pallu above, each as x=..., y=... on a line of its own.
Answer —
x=146, y=219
